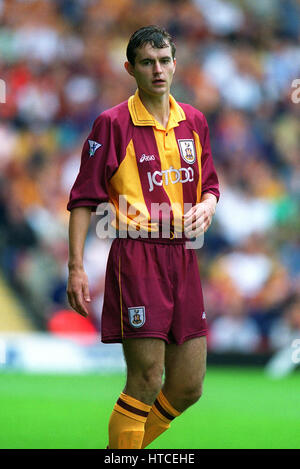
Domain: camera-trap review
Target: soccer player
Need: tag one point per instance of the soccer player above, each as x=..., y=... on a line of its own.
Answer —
x=154, y=153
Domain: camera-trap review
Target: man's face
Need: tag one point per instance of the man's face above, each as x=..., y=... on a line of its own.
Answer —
x=153, y=69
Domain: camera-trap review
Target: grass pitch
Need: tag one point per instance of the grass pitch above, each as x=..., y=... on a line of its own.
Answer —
x=240, y=408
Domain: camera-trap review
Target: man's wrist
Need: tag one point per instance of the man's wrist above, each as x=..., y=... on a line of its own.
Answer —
x=75, y=265
x=211, y=202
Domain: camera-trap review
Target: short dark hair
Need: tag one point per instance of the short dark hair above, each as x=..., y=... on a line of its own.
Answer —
x=157, y=36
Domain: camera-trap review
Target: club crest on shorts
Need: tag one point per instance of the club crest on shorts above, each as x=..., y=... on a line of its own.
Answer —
x=187, y=150
x=137, y=316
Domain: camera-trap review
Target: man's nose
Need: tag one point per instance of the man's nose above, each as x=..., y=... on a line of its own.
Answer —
x=157, y=67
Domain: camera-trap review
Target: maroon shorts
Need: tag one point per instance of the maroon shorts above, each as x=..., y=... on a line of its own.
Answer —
x=152, y=289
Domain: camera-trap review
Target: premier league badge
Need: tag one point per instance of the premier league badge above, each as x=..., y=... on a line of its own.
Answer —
x=137, y=316
x=94, y=147
x=187, y=150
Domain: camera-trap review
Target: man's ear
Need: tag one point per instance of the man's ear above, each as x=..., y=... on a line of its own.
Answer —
x=129, y=68
x=174, y=61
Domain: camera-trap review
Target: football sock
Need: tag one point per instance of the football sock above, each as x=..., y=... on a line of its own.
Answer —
x=127, y=423
x=159, y=418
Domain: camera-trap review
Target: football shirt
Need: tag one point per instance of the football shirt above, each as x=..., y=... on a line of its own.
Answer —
x=152, y=175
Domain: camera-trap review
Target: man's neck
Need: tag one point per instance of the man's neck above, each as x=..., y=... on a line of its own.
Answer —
x=158, y=106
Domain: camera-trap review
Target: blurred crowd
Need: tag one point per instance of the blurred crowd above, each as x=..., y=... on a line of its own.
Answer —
x=62, y=62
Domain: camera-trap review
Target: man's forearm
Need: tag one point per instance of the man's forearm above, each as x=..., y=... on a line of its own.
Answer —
x=78, y=227
x=211, y=199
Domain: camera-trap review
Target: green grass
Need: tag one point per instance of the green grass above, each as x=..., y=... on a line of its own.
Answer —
x=239, y=409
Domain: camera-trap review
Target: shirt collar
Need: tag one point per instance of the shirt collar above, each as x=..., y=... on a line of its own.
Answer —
x=140, y=116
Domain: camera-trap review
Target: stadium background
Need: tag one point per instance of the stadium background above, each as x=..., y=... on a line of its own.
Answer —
x=62, y=63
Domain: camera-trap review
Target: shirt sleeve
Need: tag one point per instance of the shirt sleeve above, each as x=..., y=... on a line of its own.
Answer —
x=210, y=182
x=98, y=164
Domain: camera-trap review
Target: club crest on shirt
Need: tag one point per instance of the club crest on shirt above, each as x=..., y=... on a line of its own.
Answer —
x=94, y=147
x=137, y=316
x=187, y=150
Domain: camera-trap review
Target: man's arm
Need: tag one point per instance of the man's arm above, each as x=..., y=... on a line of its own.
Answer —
x=78, y=289
x=198, y=219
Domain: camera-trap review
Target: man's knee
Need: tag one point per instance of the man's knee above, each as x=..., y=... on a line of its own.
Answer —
x=184, y=395
x=152, y=378
x=145, y=365
x=145, y=383
x=192, y=394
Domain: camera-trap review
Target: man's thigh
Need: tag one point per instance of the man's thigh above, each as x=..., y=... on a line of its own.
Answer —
x=185, y=365
x=145, y=365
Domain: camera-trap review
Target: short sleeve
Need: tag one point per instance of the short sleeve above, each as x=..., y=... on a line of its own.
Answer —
x=98, y=164
x=210, y=182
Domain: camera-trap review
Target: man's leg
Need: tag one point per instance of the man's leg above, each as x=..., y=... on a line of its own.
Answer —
x=145, y=364
x=185, y=367
x=185, y=372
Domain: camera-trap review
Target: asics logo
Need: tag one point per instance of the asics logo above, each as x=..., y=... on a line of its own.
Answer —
x=146, y=158
x=171, y=175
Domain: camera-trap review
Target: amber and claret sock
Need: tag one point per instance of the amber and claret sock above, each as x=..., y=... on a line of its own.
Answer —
x=161, y=415
x=134, y=424
x=127, y=423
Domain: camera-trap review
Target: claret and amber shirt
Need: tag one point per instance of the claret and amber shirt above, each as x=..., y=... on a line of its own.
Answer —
x=159, y=172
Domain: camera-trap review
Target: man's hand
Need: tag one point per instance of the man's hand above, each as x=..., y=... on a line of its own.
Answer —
x=198, y=219
x=78, y=287
x=78, y=290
